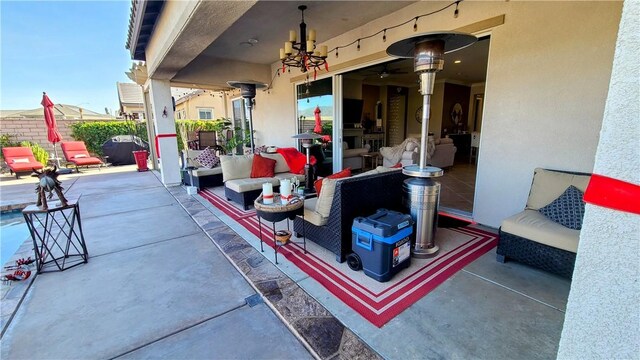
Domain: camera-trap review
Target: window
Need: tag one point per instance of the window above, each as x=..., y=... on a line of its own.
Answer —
x=181, y=114
x=205, y=113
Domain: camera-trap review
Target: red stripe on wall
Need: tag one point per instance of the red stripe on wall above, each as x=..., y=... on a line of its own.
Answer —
x=613, y=194
x=158, y=142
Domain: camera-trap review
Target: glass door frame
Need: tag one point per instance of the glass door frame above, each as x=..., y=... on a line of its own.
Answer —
x=336, y=89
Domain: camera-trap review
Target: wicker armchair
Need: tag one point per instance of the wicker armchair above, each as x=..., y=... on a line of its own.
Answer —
x=354, y=196
x=541, y=246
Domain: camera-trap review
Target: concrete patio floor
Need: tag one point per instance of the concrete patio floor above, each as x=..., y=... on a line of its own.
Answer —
x=161, y=283
x=155, y=284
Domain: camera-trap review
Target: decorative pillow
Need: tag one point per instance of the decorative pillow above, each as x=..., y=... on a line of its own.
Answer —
x=262, y=167
x=260, y=149
x=397, y=166
x=567, y=210
x=342, y=174
x=21, y=160
x=208, y=158
x=77, y=156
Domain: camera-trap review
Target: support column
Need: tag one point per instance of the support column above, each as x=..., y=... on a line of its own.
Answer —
x=165, y=141
x=151, y=130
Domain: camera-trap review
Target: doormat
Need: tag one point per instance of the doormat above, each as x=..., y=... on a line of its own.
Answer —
x=377, y=302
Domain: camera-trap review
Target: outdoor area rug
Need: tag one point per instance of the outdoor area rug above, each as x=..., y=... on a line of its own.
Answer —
x=375, y=301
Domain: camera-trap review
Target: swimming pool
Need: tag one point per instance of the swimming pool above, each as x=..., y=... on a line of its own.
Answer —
x=13, y=232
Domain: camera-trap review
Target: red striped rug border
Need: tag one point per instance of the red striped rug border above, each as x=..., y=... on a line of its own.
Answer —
x=377, y=308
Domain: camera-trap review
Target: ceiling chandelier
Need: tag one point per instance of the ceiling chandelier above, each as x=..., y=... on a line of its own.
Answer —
x=303, y=54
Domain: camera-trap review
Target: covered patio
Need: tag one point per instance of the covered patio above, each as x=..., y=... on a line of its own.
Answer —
x=547, y=82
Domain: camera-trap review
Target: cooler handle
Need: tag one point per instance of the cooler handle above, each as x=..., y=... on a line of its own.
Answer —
x=364, y=240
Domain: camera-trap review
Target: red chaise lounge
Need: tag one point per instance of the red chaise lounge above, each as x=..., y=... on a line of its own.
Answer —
x=20, y=160
x=76, y=152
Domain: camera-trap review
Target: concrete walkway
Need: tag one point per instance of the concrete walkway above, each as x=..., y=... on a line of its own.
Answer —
x=155, y=286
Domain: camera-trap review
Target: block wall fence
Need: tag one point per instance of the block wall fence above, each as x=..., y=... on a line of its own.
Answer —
x=35, y=130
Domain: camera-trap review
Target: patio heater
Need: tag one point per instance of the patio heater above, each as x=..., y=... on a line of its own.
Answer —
x=422, y=192
x=248, y=91
x=307, y=142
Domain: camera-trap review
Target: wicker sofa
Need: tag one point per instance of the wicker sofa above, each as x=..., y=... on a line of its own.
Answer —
x=240, y=187
x=200, y=177
x=359, y=195
x=531, y=238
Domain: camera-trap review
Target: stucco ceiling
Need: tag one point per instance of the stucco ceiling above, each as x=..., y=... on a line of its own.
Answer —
x=269, y=22
x=472, y=68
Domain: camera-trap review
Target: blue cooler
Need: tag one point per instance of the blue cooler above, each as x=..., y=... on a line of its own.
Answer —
x=381, y=244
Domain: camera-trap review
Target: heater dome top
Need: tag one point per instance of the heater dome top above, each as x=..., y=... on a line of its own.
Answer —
x=453, y=41
x=240, y=83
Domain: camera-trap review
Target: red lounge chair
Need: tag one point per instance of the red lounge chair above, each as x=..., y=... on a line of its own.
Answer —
x=76, y=152
x=20, y=160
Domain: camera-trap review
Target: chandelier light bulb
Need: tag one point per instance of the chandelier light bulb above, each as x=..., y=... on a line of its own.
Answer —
x=303, y=53
x=415, y=25
x=456, y=12
x=384, y=35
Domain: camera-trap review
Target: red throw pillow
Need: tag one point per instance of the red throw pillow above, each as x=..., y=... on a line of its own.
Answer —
x=397, y=166
x=262, y=167
x=342, y=174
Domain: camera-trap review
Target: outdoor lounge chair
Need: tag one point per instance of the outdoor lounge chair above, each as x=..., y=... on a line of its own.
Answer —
x=76, y=152
x=20, y=160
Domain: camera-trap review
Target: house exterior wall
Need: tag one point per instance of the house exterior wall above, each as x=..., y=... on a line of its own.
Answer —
x=206, y=100
x=604, y=290
x=548, y=70
x=35, y=130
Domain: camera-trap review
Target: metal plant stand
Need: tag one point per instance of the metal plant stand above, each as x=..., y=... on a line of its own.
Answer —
x=423, y=193
x=277, y=212
x=57, y=236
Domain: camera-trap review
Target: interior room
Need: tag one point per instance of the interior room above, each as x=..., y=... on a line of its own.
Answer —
x=382, y=107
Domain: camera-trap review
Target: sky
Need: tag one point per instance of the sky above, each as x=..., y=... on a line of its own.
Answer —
x=73, y=50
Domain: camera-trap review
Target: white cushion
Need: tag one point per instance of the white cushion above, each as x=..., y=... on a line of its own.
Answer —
x=354, y=152
x=249, y=184
x=281, y=163
x=411, y=146
x=323, y=206
x=78, y=156
x=20, y=160
x=206, y=172
x=532, y=225
x=236, y=166
x=311, y=215
x=548, y=185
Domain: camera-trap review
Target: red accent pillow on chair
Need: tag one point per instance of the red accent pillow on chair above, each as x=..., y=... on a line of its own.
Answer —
x=262, y=167
x=342, y=174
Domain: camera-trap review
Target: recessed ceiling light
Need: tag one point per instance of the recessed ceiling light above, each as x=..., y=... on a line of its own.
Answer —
x=252, y=41
x=457, y=61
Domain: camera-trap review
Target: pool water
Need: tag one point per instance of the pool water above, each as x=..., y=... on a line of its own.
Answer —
x=13, y=232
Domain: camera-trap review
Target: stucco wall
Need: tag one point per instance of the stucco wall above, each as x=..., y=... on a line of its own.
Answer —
x=205, y=100
x=549, y=67
x=548, y=70
x=603, y=312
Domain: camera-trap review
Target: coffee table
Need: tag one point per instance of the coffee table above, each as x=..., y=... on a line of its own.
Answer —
x=277, y=212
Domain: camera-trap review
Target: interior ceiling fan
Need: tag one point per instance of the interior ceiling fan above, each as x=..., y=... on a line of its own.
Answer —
x=385, y=71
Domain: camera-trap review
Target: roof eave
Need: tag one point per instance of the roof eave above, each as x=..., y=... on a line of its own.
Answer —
x=142, y=20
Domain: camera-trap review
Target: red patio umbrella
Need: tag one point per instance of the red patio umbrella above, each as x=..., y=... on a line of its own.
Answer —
x=318, y=128
x=53, y=135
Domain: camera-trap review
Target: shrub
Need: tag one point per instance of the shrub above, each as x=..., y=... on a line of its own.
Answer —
x=6, y=140
x=38, y=151
x=183, y=127
x=95, y=133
